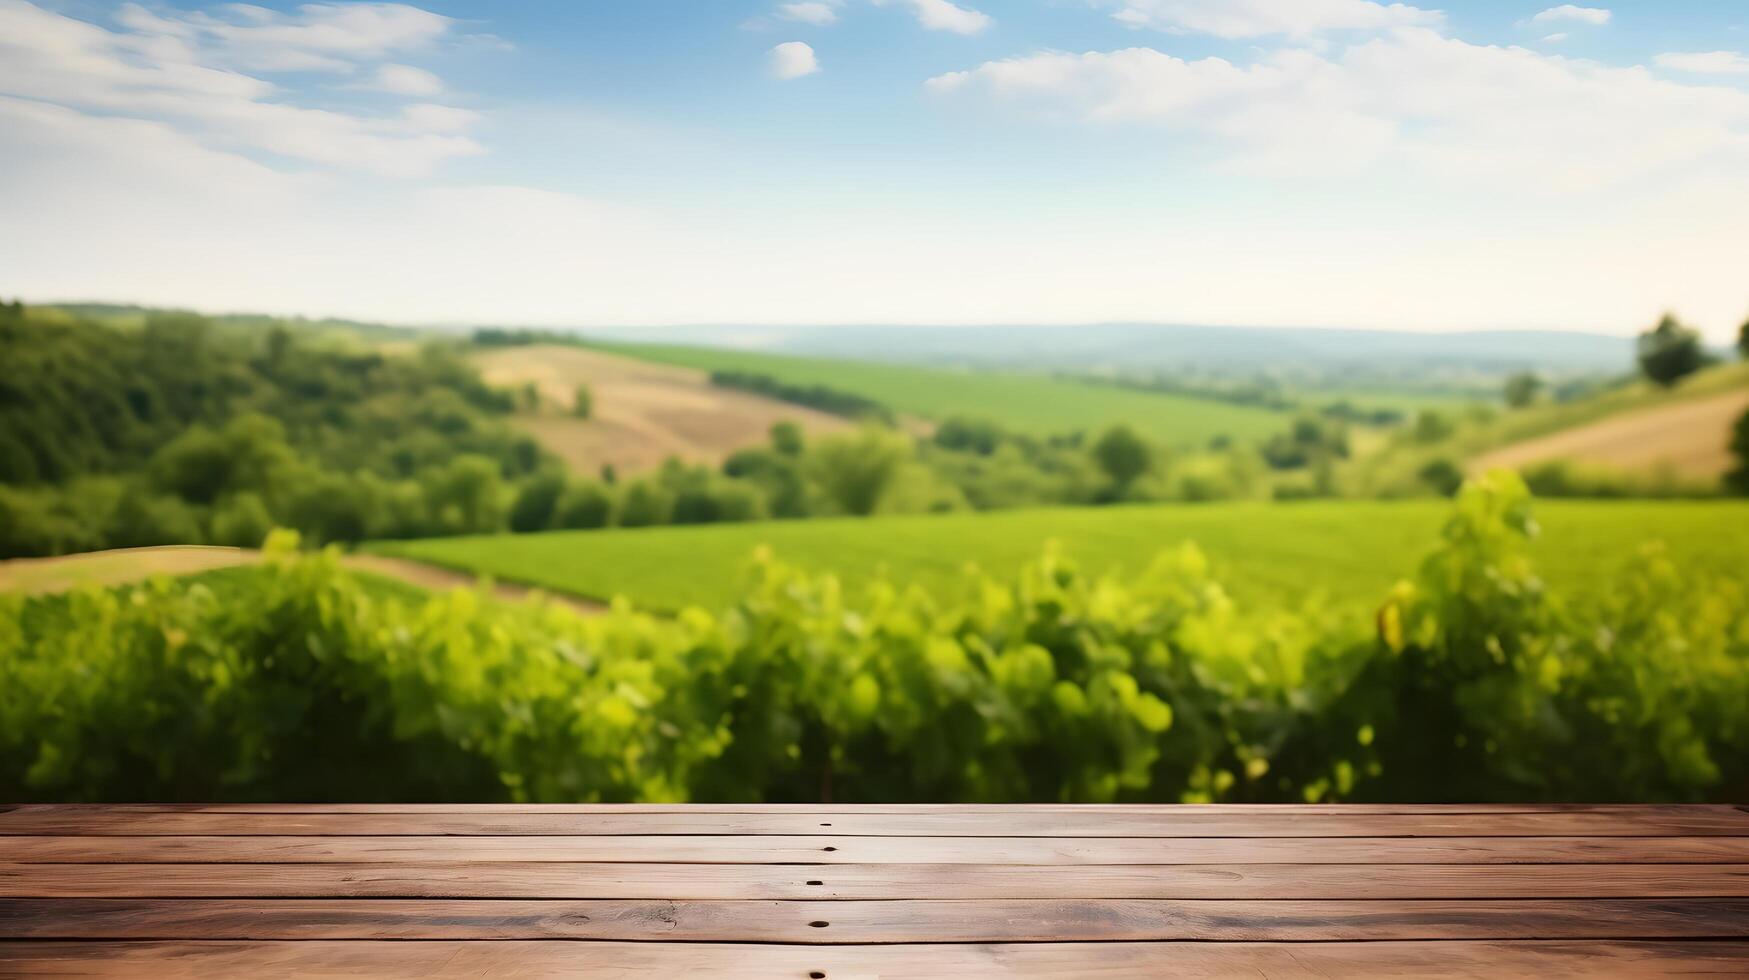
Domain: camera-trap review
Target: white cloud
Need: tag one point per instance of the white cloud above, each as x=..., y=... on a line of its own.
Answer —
x=1595, y=16
x=941, y=15
x=96, y=206
x=1555, y=38
x=318, y=37
x=407, y=80
x=1412, y=99
x=168, y=69
x=793, y=59
x=1257, y=18
x=1706, y=62
x=810, y=12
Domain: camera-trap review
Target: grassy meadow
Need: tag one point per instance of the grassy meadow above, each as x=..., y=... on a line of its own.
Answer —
x=1030, y=403
x=1346, y=552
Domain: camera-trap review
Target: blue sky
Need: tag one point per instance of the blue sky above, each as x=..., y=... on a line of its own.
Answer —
x=1288, y=162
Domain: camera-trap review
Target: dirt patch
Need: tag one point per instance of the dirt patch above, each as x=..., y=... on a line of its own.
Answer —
x=643, y=413
x=38, y=576
x=1690, y=438
x=435, y=578
x=34, y=576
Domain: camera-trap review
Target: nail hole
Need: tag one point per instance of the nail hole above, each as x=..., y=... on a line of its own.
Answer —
x=819, y=924
x=817, y=975
x=816, y=883
x=828, y=848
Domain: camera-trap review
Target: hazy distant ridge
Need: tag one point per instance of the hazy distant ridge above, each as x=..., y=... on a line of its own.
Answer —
x=1142, y=346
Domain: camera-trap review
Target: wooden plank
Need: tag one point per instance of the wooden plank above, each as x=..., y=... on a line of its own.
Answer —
x=540, y=960
x=585, y=808
x=981, y=823
x=882, y=850
x=869, y=881
x=902, y=921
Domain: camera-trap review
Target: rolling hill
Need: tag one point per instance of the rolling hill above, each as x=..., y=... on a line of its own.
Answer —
x=643, y=412
x=1637, y=428
x=1350, y=552
x=1028, y=402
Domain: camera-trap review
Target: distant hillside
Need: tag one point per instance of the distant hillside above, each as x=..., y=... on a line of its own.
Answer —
x=1462, y=360
x=1030, y=402
x=128, y=315
x=1639, y=428
x=1353, y=355
x=643, y=412
x=1629, y=438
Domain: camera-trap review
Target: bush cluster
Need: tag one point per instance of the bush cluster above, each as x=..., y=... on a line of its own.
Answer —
x=186, y=432
x=827, y=399
x=1475, y=683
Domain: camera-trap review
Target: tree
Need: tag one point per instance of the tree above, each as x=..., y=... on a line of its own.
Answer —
x=974, y=435
x=1670, y=352
x=1738, y=479
x=583, y=402
x=467, y=496
x=645, y=503
x=1442, y=475
x=1743, y=341
x=586, y=504
x=1523, y=388
x=1431, y=426
x=856, y=470
x=536, y=502
x=1122, y=455
x=786, y=438
x=249, y=454
x=143, y=519
x=241, y=520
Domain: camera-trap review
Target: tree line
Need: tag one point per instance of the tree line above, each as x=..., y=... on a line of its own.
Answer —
x=184, y=431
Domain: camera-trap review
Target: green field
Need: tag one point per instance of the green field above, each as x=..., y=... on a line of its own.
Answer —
x=1031, y=403
x=1347, y=552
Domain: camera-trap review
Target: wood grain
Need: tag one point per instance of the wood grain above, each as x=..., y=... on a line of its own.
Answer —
x=837, y=892
x=883, y=850
x=903, y=921
x=869, y=881
x=974, y=823
x=549, y=960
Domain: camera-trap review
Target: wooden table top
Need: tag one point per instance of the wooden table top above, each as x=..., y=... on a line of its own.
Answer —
x=839, y=892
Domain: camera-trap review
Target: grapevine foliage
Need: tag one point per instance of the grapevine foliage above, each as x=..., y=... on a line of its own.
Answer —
x=299, y=681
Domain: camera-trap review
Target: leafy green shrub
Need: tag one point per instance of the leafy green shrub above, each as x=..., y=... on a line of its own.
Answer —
x=1737, y=480
x=301, y=681
x=585, y=504
x=1566, y=478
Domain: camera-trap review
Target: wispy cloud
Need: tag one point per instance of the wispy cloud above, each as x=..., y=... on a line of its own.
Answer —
x=1412, y=100
x=406, y=80
x=941, y=15
x=190, y=71
x=1706, y=62
x=1595, y=16
x=812, y=12
x=1258, y=18
x=793, y=59
x=317, y=37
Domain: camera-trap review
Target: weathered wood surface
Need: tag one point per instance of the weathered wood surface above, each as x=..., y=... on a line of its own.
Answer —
x=539, y=879
x=550, y=960
x=756, y=849
x=841, y=891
